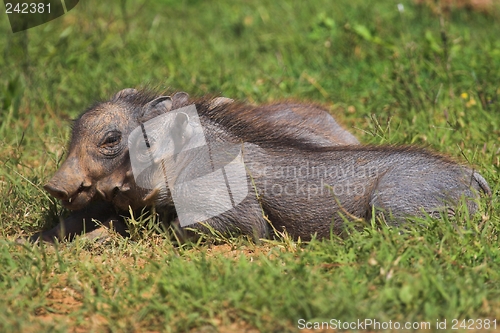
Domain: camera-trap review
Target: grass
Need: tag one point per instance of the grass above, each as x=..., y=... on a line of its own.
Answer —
x=391, y=77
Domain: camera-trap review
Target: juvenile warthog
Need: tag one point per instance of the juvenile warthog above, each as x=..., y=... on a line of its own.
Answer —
x=81, y=178
x=291, y=175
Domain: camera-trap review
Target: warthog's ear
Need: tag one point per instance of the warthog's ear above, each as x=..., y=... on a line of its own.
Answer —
x=181, y=120
x=156, y=107
x=219, y=101
x=122, y=93
x=181, y=132
x=180, y=99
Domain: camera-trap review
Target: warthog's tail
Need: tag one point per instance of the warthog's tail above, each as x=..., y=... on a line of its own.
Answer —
x=483, y=184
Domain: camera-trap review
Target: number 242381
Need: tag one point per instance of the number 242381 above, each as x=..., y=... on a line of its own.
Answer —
x=27, y=8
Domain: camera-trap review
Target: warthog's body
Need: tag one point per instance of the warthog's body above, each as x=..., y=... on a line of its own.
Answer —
x=293, y=177
x=80, y=181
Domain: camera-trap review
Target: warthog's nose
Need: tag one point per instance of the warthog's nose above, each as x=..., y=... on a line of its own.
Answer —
x=56, y=192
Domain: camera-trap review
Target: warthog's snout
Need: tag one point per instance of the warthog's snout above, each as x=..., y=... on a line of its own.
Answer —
x=56, y=192
x=73, y=196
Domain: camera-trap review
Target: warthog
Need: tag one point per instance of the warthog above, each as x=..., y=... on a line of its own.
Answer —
x=278, y=164
x=96, y=181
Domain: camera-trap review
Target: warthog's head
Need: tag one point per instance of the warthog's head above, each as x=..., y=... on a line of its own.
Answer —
x=98, y=162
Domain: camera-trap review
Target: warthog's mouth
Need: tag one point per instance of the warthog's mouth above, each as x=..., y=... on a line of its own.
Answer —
x=79, y=199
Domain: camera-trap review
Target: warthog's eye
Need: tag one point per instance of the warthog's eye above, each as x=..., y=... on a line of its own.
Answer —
x=111, y=139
